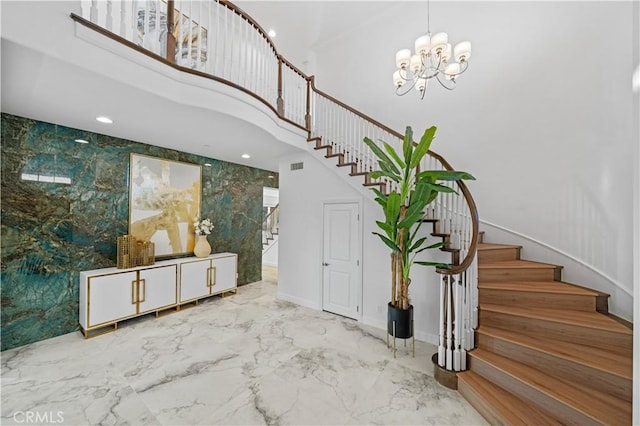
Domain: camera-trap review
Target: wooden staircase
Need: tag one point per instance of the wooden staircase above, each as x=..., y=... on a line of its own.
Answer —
x=547, y=352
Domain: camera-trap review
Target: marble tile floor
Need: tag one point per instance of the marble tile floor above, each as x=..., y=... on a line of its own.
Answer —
x=246, y=359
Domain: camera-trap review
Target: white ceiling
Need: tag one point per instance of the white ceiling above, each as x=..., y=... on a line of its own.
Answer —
x=39, y=80
x=304, y=26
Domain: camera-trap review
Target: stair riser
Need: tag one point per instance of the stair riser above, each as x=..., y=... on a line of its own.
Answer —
x=498, y=408
x=540, y=400
x=558, y=366
x=477, y=401
x=518, y=274
x=509, y=253
x=615, y=342
x=526, y=299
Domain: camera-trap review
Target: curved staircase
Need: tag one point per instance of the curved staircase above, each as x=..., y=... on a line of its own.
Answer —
x=547, y=352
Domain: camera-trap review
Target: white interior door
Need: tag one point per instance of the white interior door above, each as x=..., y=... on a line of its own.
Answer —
x=341, y=259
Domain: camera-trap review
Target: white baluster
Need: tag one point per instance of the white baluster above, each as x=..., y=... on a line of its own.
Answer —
x=458, y=323
x=123, y=20
x=442, y=362
x=93, y=11
x=465, y=322
x=200, y=36
x=449, y=325
x=109, y=24
x=134, y=23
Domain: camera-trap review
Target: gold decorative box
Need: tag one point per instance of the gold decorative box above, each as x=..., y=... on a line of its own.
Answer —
x=127, y=249
x=146, y=251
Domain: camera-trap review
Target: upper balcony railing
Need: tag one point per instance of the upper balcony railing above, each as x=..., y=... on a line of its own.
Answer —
x=217, y=40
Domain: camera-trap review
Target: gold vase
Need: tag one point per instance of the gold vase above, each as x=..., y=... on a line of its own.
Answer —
x=202, y=247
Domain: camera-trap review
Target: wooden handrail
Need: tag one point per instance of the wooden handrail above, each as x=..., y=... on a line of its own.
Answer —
x=124, y=41
x=279, y=107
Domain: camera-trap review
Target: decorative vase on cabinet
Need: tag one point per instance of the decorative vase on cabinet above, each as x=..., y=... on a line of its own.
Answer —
x=202, y=247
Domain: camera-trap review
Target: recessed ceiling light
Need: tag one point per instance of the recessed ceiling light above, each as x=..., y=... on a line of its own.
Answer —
x=81, y=141
x=272, y=33
x=246, y=156
x=104, y=119
x=271, y=176
x=207, y=164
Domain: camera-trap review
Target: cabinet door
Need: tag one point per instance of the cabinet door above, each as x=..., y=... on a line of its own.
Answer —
x=111, y=297
x=194, y=280
x=157, y=288
x=224, y=274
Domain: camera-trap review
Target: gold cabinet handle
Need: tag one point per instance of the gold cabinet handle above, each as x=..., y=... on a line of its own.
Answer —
x=215, y=276
x=208, y=284
x=143, y=281
x=133, y=292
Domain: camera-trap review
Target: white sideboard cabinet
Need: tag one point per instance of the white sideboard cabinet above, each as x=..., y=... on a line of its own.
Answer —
x=111, y=295
x=205, y=277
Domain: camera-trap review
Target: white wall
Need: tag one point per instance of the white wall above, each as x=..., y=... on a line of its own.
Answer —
x=302, y=193
x=543, y=117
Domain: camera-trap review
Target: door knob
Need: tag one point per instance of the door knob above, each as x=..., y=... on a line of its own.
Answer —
x=325, y=264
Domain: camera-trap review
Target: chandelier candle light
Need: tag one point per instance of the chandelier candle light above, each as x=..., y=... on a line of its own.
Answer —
x=433, y=57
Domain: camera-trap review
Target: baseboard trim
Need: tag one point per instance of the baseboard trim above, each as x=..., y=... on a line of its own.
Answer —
x=299, y=301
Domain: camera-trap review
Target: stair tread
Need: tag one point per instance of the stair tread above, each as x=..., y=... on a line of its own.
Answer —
x=491, y=246
x=559, y=287
x=588, y=319
x=511, y=409
x=595, y=358
x=597, y=405
x=515, y=264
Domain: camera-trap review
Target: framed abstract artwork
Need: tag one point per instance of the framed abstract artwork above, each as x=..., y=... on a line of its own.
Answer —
x=164, y=198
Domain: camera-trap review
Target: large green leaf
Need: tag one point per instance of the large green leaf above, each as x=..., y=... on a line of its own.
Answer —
x=392, y=152
x=388, y=242
x=439, y=188
x=382, y=157
x=379, y=193
x=436, y=264
x=392, y=210
x=417, y=244
x=423, y=146
x=416, y=206
x=380, y=173
x=390, y=171
x=407, y=148
x=432, y=246
x=390, y=230
x=449, y=175
x=408, y=221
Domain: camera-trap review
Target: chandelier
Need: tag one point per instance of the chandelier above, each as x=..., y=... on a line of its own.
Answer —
x=433, y=58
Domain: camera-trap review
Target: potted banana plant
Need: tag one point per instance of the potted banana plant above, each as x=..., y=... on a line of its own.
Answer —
x=404, y=208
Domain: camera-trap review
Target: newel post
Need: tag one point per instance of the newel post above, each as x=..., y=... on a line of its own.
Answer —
x=171, y=39
x=280, y=101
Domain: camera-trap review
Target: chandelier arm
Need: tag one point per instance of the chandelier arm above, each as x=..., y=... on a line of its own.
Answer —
x=399, y=91
x=404, y=75
x=428, y=76
x=444, y=85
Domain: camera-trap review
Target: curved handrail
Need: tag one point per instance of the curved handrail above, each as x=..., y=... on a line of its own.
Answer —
x=279, y=109
x=466, y=262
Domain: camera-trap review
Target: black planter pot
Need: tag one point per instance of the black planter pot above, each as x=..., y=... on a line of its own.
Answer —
x=403, y=319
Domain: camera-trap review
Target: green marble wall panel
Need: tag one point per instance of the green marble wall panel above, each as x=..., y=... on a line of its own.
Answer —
x=52, y=230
